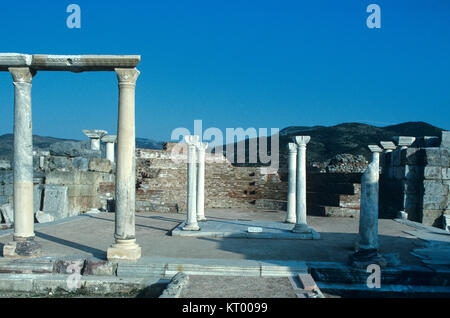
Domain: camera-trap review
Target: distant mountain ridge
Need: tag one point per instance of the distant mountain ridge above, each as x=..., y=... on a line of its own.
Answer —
x=352, y=138
x=43, y=143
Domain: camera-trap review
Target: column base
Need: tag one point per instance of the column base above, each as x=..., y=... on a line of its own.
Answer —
x=124, y=250
x=287, y=221
x=302, y=228
x=201, y=219
x=365, y=257
x=191, y=227
x=22, y=249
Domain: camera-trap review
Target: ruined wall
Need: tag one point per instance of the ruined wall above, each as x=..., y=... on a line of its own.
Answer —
x=161, y=183
x=417, y=180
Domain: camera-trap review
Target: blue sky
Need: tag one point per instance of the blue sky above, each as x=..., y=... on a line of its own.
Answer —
x=235, y=63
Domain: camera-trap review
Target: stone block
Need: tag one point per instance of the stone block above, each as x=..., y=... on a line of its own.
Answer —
x=434, y=202
x=8, y=189
x=446, y=173
x=432, y=156
x=432, y=172
x=4, y=199
x=446, y=222
x=60, y=163
x=43, y=217
x=80, y=163
x=100, y=165
x=6, y=176
x=38, y=191
x=78, y=190
x=432, y=187
x=445, y=142
x=70, y=149
x=68, y=266
x=7, y=212
x=56, y=201
x=5, y=165
x=432, y=218
x=99, y=267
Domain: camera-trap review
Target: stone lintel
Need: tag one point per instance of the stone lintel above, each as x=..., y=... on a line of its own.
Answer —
x=72, y=63
x=375, y=148
x=94, y=133
x=404, y=141
x=109, y=138
x=388, y=145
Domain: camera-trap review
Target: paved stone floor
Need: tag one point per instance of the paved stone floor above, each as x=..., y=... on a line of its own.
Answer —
x=93, y=234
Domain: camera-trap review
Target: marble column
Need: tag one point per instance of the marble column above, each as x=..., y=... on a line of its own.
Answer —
x=301, y=225
x=95, y=135
x=110, y=140
x=23, y=238
x=292, y=171
x=125, y=247
x=201, y=152
x=368, y=220
x=191, y=218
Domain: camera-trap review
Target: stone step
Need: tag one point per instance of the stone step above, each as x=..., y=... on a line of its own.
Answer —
x=339, y=273
x=330, y=199
x=332, y=211
x=337, y=188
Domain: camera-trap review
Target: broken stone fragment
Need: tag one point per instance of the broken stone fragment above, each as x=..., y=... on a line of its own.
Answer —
x=43, y=217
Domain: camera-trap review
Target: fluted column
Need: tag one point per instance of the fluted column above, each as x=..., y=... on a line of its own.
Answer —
x=23, y=244
x=301, y=224
x=201, y=152
x=292, y=171
x=125, y=247
x=191, y=217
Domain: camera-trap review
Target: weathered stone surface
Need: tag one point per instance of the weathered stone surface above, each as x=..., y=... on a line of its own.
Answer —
x=43, y=217
x=100, y=165
x=80, y=163
x=73, y=149
x=68, y=266
x=445, y=143
x=38, y=191
x=432, y=218
x=432, y=172
x=56, y=201
x=412, y=172
x=432, y=156
x=7, y=213
x=60, y=163
x=99, y=267
x=26, y=248
x=5, y=165
x=432, y=187
x=446, y=173
x=404, y=141
x=434, y=202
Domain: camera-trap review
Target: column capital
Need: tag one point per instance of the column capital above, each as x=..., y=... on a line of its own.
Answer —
x=94, y=133
x=191, y=140
x=22, y=74
x=109, y=139
x=375, y=148
x=201, y=146
x=292, y=147
x=127, y=75
x=302, y=141
x=404, y=141
x=388, y=146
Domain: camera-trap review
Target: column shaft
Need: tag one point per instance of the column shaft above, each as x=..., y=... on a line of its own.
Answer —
x=23, y=155
x=201, y=183
x=301, y=224
x=291, y=216
x=191, y=217
x=110, y=151
x=125, y=247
